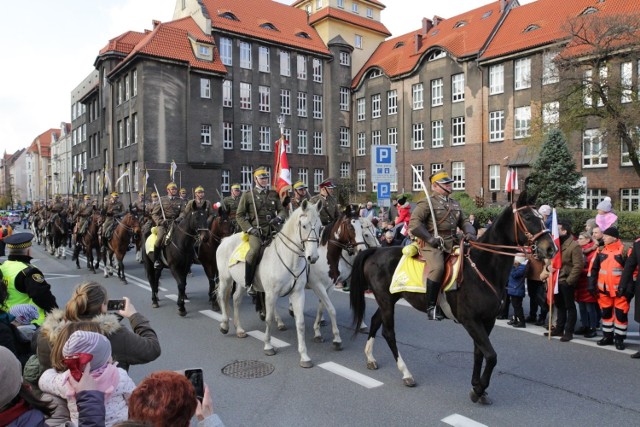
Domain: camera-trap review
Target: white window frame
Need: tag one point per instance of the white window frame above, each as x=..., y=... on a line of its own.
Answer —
x=345, y=137
x=226, y=51
x=227, y=135
x=303, y=175
x=361, y=104
x=522, y=122
x=392, y=137
x=437, y=92
x=361, y=147
x=264, y=59
x=345, y=169
x=225, y=181
x=285, y=63
x=358, y=41
x=587, y=88
x=245, y=55
x=361, y=185
x=522, y=73
x=458, y=131
x=496, y=79
x=302, y=67
x=417, y=177
x=594, y=149
x=496, y=126
x=246, y=137
x=494, y=178
x=376, y=137
x=317, y=106
x=417, y=136
x=205, y=88
x=302, y=104
x=246, y=173
x=245, y=96
x=227, y=93
x=205, y=134
x=630, y=199
x=303, y=141
x=392, y=102
x=550, y=73
x=417, y=95
x=345, y=58
x=626, y=82
x=551, y=114
x=457, y=87
x=264, y=99
x=318, y=144
x=345, y=98
x=437, y=134
x=264, y=135
x=318, y=177
x=317, y=70
x=285, y=102
x=458, y=172
x=376, y=107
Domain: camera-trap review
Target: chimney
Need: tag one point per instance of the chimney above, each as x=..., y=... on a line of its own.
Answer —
x=503, y=5
x=418, y=42
x=155, y=23
x=427, y=24
x=436, y=20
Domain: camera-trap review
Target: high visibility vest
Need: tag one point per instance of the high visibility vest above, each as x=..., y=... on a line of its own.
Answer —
x=10, y=269
x=610, y=269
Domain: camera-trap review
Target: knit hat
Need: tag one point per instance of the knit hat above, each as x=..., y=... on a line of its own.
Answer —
x=545, y=210
x=402, y=200
x=612, y=231
x=11, y=374
x=24, y=313
x=605, y=205
x=91, y=343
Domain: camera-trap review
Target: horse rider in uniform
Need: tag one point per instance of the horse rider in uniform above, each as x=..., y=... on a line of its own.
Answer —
x=329, y=211
x=148, y=210
x=164, y=214
x=139, y=206
x=201, y=204
x=299, y=194
x=83, y=217
x=183, y=194
x=58, y=208
x=25, y=283
x=231, y=204
x=114, y=209
x=266, y=204
x=448, y=218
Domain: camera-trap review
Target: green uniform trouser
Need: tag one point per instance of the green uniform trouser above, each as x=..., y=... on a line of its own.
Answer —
x=435, y=260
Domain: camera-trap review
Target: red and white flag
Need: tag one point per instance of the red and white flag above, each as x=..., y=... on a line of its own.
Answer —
x=556, y=262
x=511, y=183
x=282, y=173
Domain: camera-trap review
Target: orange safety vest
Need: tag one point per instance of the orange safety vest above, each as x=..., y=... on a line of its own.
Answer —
x=610, y=269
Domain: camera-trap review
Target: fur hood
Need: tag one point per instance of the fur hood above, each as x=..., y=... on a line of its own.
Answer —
x=55, y=321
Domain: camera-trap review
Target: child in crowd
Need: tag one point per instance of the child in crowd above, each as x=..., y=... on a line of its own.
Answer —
x=515, y=289
x=606, y=218
x=24, y=314
x=81, y=348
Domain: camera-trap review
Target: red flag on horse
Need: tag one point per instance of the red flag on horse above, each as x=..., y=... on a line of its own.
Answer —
x=282, y=173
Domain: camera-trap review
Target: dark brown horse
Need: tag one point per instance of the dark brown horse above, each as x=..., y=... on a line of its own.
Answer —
x=485, y=272
x=128, y=228
x=57, y=236
x=90, y=241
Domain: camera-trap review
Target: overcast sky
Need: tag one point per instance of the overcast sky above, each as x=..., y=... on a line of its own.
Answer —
x=49, y=47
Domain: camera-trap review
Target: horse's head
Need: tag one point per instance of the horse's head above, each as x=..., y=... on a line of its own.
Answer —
x=347, y=234
x=133, y=224
x=196, y=223
x=529, y=228
x=221, y=226
x=307, y=221
x=369, y=232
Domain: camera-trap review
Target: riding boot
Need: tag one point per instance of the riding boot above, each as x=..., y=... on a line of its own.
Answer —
x=157, y=264
x=76, y=252
x=249, y=272
x=433, y=312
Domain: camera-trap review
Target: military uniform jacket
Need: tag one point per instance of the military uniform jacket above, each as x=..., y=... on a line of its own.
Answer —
x=267, y=205
x=85, y=210
x=329, y=211
x=231, y=205
x=172, y=207
x=58, y=207
x=204, y=206
x=448, y=214
x=115, y=208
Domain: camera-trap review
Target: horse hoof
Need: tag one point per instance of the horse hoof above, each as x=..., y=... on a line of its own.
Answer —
x=291, y=313
x=306, y=364
x=124, y=281
x=282, y=327
x=215, y=306
x=78, y=267
x=241, y=334
x=263, y=316
x=323, y=322
x=224, y=331
x=372, y=366
x=364, y=330
x=155, y=304
x=483, y=399
x=182, y=312
x=337, y=346
x=409, y=382
x=318, y=339
x=270, y=352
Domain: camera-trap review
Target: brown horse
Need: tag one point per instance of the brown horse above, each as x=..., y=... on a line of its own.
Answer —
x=90, y=241
x=128, y=227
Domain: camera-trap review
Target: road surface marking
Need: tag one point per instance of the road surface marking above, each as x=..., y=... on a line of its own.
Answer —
x=174, y=297
x=55, y=276
x=351, y=375
x=259, y=335
x=212, y=314
x=458, y=420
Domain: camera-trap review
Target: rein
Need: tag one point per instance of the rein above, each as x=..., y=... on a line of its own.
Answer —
x=350, y=245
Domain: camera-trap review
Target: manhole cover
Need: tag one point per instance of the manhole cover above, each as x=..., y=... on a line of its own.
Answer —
x=248, y=369
x=457, y=359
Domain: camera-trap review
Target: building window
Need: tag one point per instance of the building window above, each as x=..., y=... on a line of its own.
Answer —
x=594, y=151
x=345, y=137
x=317, y=106
x=358, y=41
x=264, y=59
x=303, y=175
x=245, y=55
x=265, y=99
x=226, y=52
x=285, y=102
x=345, y=170
x=303, y=142
x=392, y=102
x=361, y=148
x=417, y=178
x=522, y=71
x=227, y=136
x=318, y=177
x=227, y=97
x=135, y=129
x=630, y=199
x=457, y=87
x=496, y=79
x=302, y=67
x=318, y=4
x=134, y=81
x=437, y=134
x=345, y=58
x=417, y=140
x=362, y=181
x=418, y=96
x=496, y=126
x=285, y=64
x=205, y=135
x=587, y=90
x=354, y=7
x=494, y=177
x=551, y=114
x=375, y=106
x=626, y=76
x=603, y=75
x=457, y=171
x=120, y=92
x=625, y=160
x=317, y=70
x=522, y=122
x=594, y=196
x=127, y=88
x=318, y=146
x=458, y=131
x=245, y=96
x=436, y=92
x=120, y=134
x=341, y=4
x=247, y=180
x=246, y=137
x=549, y=68
x=205, y=88
x=436, y=167
x=265, y=138
x=361, y=107
x=376, y=137
x=345, y=98
x=392, y=137
x=369, y=13
x=127, y=131
x=302, y=104
x=226, y=180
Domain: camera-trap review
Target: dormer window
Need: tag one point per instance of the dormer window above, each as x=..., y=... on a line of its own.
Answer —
x=269, y=26
x=398, y=45
x=375, y=73
x=460, y=24
x=589, y=10
x=531, y=27
x=435, y=32
x=203, y=51
x=436, y=54
x=487, y=14
x=303, y=35
x=229, y=15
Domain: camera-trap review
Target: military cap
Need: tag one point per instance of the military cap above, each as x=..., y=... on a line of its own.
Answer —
x=261, y=172
x=441, y=177
x=327, y=183
x=19, y=240
x=298, y=185
x=235, y=186
x=87, y=197
x=183, y=190
x=154, y=194
x=171, y=185
x=115, y=194
x=199, y=188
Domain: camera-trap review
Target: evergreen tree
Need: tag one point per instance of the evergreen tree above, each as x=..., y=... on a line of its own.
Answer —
x=554, y=174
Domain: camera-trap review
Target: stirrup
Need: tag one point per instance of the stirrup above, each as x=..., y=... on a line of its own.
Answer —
x=251, y=291
x=434, y=314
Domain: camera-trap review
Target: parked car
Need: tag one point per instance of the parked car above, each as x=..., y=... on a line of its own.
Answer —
x=14, y=218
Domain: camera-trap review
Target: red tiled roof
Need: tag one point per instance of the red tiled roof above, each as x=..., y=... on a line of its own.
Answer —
x=376, y=2
x=551, y=16
x=124, y=43
x=288, y=20
x=171, y=40
x=352, y=18
x=398, y=55
x=44, y=140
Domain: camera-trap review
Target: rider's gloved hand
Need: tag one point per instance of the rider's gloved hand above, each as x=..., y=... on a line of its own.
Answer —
x=470, y=236
x=276, y=221
x=254, y=231
x=434, y=242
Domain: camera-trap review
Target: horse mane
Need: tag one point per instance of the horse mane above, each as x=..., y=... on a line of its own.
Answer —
x=292, y=221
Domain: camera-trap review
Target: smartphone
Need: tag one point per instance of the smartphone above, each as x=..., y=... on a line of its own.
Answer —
x=195, y=376
x=115, y=304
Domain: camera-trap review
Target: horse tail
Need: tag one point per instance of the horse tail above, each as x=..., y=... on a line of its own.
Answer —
x=359, y=284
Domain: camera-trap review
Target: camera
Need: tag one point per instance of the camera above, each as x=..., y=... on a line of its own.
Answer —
x=197, y=380
x=115, y=304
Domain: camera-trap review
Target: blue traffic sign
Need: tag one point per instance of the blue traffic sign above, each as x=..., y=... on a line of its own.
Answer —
x=384, y=190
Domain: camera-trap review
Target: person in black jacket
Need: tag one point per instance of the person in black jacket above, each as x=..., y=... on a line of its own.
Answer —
x=10, y=337
x=630, y=286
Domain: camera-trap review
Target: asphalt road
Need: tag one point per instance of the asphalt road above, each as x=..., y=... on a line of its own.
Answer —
x=537, y=382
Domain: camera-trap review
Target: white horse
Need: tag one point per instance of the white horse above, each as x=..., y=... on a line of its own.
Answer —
x=281, y=272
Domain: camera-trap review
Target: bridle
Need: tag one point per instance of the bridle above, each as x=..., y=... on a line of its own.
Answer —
x=198, y=231
x=351, y=243
x=371, y=229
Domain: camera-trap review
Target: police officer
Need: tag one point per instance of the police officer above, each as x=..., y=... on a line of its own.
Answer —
x=448, y=217
x=329, y=211
x=114, y=209
x=299, y=194
x=231, y=204
x=264, y=202
x=25, y=283
x=164, y=214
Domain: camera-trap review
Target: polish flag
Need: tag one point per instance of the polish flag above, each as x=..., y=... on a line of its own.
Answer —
x=511, y=183
x=556, y=262
x=282, y=173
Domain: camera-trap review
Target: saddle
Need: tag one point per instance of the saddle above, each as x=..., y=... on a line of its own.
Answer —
x=412, y=270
